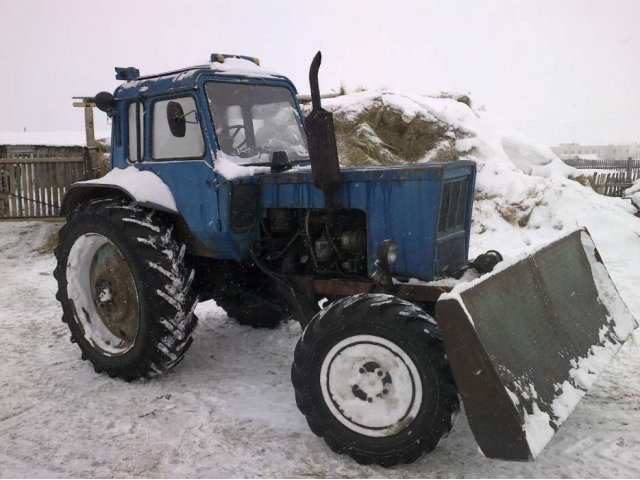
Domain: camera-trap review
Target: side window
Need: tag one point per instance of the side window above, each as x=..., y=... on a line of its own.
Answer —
x=136, y=132
x=176, y=129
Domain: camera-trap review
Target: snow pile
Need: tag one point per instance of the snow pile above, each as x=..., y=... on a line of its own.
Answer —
x=144, y=186
x=472, y=134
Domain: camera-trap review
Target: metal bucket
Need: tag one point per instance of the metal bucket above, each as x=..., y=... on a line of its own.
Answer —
x=527, y=341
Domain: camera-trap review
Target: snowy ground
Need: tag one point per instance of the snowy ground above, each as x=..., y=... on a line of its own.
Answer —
x=228, y=409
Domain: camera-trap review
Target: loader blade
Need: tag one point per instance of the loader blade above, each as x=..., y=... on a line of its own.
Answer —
x=527, y=341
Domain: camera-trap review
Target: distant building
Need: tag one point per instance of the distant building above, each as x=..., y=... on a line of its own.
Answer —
x=581, y=156
x=41, y=144
x=597, y=152
x=39, y=151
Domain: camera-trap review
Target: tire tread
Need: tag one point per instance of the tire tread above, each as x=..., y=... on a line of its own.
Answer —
x=165, y=271
x=418, y=326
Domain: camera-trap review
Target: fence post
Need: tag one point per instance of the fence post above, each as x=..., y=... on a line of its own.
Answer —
x=88, y=164
x=629, y=169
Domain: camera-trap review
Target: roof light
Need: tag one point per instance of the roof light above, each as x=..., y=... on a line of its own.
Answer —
x=127, y=73
x=220, y=58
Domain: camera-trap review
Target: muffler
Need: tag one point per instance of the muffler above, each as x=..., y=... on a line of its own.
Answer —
x=321, y=138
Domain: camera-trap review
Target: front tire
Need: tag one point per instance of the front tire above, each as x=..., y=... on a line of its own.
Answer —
x=125, y=289
x=371, y=377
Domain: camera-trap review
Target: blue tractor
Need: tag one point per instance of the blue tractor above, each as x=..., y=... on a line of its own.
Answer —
x=221, y=189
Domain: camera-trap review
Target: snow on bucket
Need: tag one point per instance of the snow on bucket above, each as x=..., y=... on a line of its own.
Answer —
x=527, y=341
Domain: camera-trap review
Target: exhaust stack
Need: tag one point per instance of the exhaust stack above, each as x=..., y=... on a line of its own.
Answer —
x=321, y=138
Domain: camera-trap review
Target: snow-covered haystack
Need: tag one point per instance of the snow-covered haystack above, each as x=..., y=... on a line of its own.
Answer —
x=525, y=195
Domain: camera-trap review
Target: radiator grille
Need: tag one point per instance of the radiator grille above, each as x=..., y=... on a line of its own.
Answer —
x=453, y=206
x=451, y=244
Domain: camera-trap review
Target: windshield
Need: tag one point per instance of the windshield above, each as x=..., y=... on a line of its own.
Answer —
x=253, y=121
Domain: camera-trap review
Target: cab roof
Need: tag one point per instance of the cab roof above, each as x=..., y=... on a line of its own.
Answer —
x=233, y=68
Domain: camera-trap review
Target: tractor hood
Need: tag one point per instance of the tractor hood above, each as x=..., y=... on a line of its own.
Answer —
x=424, y=208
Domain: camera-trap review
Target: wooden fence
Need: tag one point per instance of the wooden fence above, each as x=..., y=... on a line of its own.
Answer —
x=603, y=164
x=34, y=187
x=614, y=184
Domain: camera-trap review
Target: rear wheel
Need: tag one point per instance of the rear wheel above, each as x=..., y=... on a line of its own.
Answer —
x=247, y=295
x=125, y=289
x=250, y=309
x=371, y=377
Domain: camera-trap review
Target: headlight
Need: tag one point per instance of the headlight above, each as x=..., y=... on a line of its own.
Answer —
x=387, y=252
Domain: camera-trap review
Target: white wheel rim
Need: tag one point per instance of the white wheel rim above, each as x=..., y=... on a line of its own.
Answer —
x=91, y=298
x=371, y=386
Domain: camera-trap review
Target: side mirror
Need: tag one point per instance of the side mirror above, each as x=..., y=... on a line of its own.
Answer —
x=280, y=162
x=175, y=118
x=105, y=102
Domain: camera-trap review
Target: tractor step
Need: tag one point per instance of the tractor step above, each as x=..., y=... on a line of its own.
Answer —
x=527, y=341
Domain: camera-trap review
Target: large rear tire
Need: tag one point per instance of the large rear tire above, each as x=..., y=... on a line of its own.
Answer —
x=371, y=377
x=125, y=289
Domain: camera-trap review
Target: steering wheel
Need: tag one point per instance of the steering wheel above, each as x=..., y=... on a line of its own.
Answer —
x=233, y=135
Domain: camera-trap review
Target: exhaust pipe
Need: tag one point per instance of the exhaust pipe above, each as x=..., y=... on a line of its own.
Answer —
x=321, y=138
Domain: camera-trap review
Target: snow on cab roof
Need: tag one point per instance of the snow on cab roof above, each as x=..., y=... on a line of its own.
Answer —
x=239, y=65
x=220, y=63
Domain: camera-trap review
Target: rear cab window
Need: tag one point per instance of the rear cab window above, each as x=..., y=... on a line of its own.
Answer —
x=136, y=131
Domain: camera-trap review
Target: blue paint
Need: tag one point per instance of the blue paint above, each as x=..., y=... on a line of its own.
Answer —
x=401, y=203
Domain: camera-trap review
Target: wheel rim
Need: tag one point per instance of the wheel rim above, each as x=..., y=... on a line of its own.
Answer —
x=371, y=386
x=102, y=289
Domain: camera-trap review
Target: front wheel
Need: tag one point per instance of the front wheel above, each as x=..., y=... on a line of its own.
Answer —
x=371, y=377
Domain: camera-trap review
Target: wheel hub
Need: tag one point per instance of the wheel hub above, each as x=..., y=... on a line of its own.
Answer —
x=114, y=292
x=371, y=382
x=104, y=294
x=371, y=385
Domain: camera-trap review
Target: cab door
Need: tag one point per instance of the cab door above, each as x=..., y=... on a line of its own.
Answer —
x=175, y=149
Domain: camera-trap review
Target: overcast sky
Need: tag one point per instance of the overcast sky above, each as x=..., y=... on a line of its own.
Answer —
x=559, y=70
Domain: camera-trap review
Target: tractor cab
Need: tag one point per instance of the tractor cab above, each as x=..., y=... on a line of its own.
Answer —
x=230, y=108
